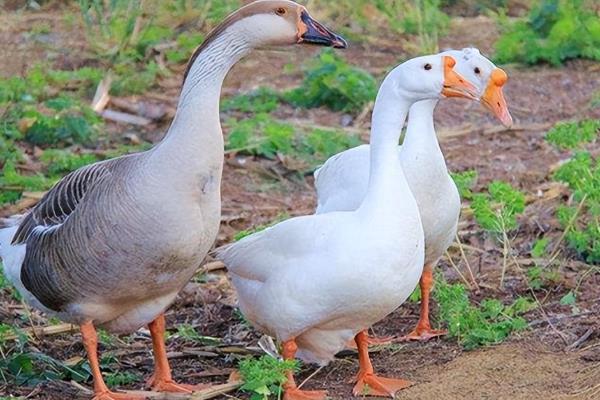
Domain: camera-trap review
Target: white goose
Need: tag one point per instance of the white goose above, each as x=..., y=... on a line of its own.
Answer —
x=315, y=282
x=342, y=182
x=112, y=243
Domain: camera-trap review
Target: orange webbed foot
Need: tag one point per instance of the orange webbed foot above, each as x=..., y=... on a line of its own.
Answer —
x=118, y=396
x=297, y=394
x=373, y=385
x=423, y=335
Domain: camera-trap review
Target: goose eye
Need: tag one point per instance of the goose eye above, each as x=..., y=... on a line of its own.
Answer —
x=477, y=70
x=280, y=11
x=427, y=67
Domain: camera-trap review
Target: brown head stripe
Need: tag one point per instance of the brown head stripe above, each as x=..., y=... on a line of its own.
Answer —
x=257, y=7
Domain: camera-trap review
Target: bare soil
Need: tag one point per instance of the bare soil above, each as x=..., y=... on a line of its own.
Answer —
x=538, y=364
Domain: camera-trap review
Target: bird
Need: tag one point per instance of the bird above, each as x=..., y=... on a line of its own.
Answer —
x=112, y=243
x=341, y=183
x=315, y=282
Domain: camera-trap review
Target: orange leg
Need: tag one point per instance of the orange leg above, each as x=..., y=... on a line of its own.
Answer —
x=162, y=381
x=369, y=384
x=423, y=329
x=101, y=391
x=291, y=391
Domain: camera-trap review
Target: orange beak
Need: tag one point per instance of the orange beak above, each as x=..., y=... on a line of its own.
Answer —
x=454, y=84
x=493, y=97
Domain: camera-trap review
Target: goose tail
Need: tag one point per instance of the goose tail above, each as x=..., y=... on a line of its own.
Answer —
x=12, y=256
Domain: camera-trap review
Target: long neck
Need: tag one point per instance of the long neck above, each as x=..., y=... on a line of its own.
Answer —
x=196, y=126
x=420, y=132
x=386, y=172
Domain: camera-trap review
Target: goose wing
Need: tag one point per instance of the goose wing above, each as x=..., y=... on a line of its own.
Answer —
x=60, y=202
x=286, y=244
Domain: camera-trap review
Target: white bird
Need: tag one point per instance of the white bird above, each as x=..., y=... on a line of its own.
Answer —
x=315, y=282
x=341, y=183
x=113, y=243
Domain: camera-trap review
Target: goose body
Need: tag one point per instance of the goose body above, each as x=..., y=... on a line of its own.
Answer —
x=113, y=243
x=315, y=282
x=341, y=183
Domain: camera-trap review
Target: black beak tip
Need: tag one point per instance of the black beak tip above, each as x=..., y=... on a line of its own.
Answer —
x=320, y=35
x=340, y=43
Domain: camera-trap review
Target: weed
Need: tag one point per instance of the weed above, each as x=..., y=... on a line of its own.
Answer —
x=61, y=162
x=186, y=43
x=571, y=135
x=419, y=17
x=13, y=184
x=262, y=100
x=132, y=79
x=465, y=181
x=263, y=136
x=115, y=379
x=189, y=333
x=332, y=82
x=497, y=210
x=242, y=234
x=581, y=222
x=553, y=32
x=489, y=323
x=265, y=376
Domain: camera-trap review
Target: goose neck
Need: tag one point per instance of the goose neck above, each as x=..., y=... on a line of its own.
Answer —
x=420, y=131
x=386, y=179
x=196, y=125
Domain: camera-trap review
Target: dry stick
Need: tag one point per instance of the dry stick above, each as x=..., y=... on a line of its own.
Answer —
x=464, y=256
x=457, y=270
x=582, y=339
x=539, y=304
x=556, y=251
x=46, y=331
x=310, y=376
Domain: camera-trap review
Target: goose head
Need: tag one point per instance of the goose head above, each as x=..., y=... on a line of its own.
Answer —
x=279, y=22
x=431, y=77
x=488, y=79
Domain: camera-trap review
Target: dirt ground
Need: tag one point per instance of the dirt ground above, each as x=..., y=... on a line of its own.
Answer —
x=541, y=363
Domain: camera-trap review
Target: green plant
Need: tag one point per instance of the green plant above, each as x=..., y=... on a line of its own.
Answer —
x=114, y=26
x=189, y=333
x=553, y=32
x=186, y=43
x=570, y=135
x=263, y=136
x=60, y=162
x=465, y=181
x=130, y=78
x=581, y=222
x=265, y=376
x=497, y=210
x=332, y=82
x=115, y=379
x=262, y=100
x=13, y=184
x=489, y=323
x=247, y=232
x=423, y=18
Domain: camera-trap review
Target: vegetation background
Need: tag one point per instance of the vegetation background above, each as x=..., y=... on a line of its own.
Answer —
x=519, y=291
